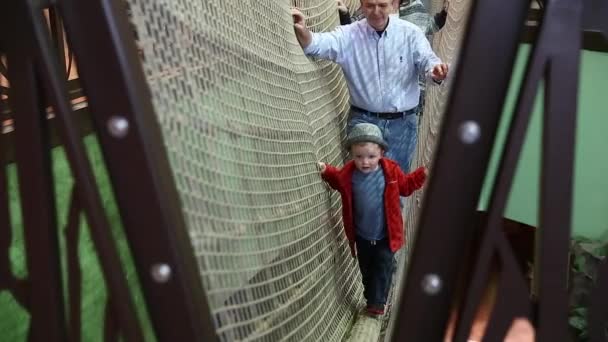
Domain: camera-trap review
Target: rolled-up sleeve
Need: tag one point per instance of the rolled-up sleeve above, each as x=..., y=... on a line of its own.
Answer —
x=327, y=45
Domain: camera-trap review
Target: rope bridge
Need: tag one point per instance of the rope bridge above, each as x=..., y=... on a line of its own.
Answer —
x=202, y=174
x=245, y=117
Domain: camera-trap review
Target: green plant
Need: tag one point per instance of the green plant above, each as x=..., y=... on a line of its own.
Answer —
x=585, y=256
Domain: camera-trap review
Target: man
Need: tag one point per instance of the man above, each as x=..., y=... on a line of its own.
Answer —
x=381, y=59
x=414, y=12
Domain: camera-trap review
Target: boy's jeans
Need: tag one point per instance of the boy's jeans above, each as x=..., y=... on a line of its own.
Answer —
x=377, y=263
x=400, y=135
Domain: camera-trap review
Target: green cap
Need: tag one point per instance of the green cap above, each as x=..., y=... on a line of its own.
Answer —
x=365, y=132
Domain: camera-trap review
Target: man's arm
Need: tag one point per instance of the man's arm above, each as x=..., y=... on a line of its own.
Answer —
x=325, y=45
x=425, y=58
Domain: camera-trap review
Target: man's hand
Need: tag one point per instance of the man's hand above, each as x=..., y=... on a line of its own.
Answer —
x=322, y=166
x=439, y=72
x=341, y=7
x=299, y=24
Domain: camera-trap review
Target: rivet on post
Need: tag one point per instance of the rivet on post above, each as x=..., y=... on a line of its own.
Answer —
x=431, y=284
x=469, y=132
x=118, y=126
x=161, y=273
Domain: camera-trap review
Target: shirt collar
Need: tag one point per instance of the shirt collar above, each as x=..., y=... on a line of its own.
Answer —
x=372, y=31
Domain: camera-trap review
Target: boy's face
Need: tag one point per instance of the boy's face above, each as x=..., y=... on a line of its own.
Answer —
x=366, y=156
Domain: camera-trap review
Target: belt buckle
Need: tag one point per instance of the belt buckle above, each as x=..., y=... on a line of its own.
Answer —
x=372, y=242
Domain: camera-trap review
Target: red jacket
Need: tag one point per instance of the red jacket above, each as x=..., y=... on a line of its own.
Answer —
x=397, y=183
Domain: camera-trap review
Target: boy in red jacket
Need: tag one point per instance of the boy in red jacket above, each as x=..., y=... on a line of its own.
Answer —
x=370, y=186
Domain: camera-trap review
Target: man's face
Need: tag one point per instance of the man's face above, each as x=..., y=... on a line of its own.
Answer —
x=377, y=12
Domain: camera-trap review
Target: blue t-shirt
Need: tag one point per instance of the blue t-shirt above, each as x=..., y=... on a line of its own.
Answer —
x=368, y=204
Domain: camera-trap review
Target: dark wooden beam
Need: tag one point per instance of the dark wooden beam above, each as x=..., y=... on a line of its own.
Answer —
x=7, y=140
x=592, y=40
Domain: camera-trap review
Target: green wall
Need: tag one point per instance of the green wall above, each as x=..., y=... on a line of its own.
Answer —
x=590, y=216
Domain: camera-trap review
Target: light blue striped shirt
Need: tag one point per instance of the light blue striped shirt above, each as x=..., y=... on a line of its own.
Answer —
x=381, y=71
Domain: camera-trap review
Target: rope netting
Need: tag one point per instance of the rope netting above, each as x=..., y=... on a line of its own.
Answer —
x=245, y=117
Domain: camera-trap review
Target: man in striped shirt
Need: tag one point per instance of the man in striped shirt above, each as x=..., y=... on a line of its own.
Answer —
x=381, y=58
x=414, y=12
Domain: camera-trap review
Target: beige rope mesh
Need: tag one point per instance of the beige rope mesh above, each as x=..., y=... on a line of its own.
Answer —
x=245, y=117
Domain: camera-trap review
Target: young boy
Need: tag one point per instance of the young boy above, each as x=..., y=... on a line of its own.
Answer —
x=370, y=186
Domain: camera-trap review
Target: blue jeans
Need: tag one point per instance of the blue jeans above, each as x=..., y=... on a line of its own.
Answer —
x=377, y=263
x=400, y=135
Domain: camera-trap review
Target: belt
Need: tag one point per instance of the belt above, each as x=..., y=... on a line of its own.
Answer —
x=386, y=115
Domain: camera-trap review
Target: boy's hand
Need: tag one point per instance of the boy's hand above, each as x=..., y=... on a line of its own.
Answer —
x=322, y=166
